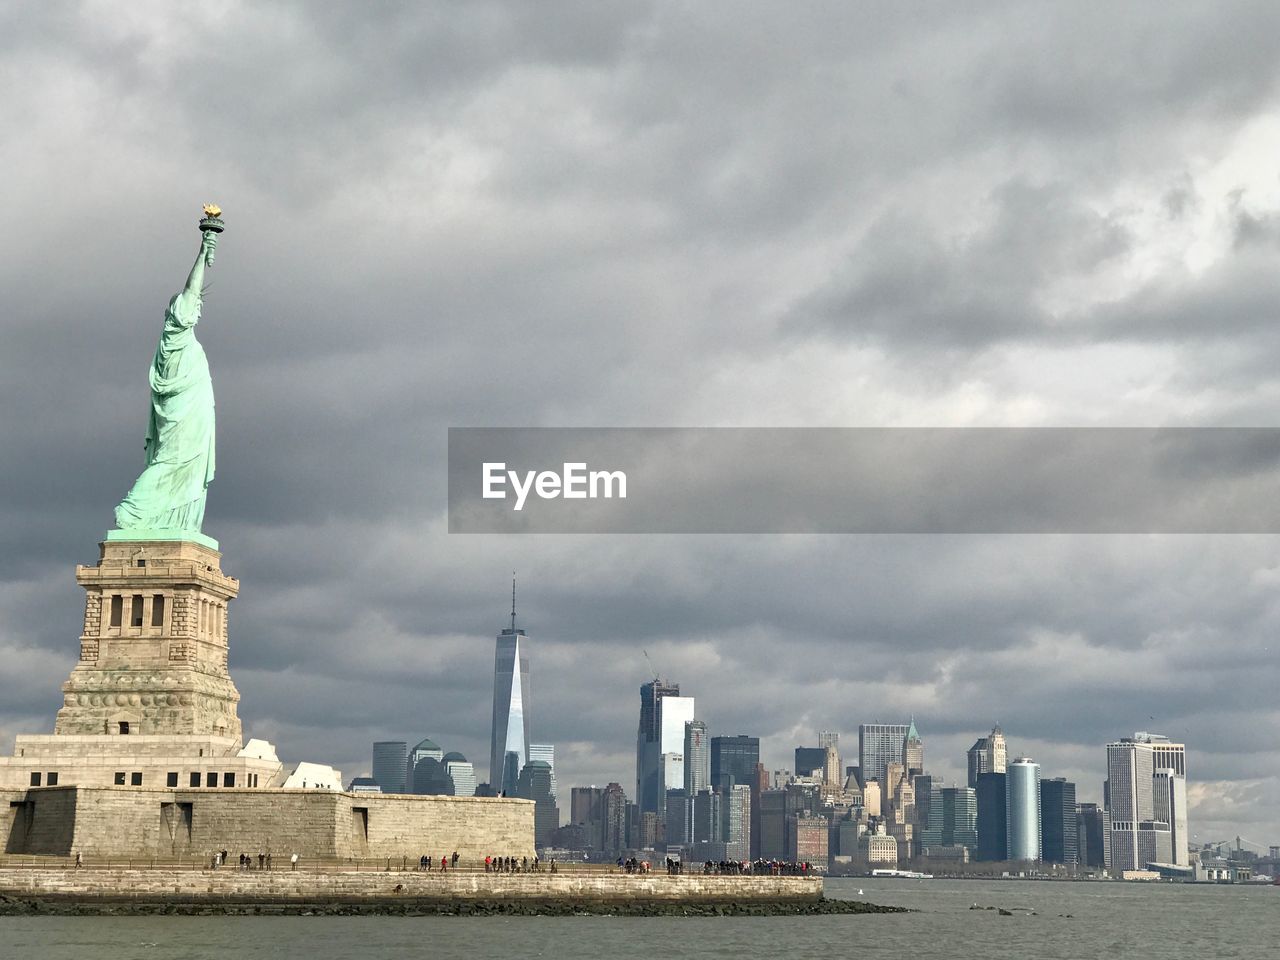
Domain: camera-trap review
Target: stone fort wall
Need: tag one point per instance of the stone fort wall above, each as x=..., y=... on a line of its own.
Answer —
x=110, y=822
x=230, y=885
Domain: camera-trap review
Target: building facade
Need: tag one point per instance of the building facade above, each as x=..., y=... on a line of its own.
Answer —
x=977, y=757
x=1146, y=803
x=509, y=733
x=734, y=760
x=650, y=788
x=614, y=815
x=880, y=744
x=697, y=757
x=390, y=764
x=913, y=750
x=1059, y=839
x=1091, y=832
x=1022, y=810
x=953, y=820
x=546, y=752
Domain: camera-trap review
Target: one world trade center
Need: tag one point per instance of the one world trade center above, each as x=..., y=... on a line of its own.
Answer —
x=509, y=743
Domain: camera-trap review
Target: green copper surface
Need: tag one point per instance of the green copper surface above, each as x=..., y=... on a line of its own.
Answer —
x=169, y=496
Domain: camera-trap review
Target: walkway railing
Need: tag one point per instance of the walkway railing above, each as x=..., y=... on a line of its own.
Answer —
x=279, y=864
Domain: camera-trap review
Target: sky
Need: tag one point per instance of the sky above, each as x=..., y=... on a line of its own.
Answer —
x=627, y=214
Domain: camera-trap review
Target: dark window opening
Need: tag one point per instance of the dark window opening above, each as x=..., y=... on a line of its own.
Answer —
x=51, y=778
x=117, y=610
x=124, y=727
x=119, y=779
x=135, y=611
x=157, y=610
x=142, y=563
x=171, y=779
x=211, y=780
x=35, y=779
x=135, y=779
x=195, y=778
x=228, y=779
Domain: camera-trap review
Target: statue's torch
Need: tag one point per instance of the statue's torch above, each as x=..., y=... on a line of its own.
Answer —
x=211, y=223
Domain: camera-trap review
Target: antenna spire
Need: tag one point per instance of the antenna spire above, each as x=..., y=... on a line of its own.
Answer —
x=513, y=601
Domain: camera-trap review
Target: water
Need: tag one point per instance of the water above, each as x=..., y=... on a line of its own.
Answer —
x=1113, y=920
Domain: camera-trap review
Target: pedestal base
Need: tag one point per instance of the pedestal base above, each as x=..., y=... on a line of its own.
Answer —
x=170, y=535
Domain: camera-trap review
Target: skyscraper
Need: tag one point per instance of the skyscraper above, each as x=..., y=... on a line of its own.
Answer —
x=390, y=764
x=997, y=752
x=649, y=747
x=1059, y=841
x=1022, y=807
x=535, y=785
x=613, y=809
x=673, y=713
x=772, y=843
x=737, y=822
x=923, y=784
x=810, y=761
x=708, y=817
x=679, y=817
x=759, y=784
x=586, y=810
x=1091, y=835
x=1147, y=813
x=993, y=821
x=1169, y=762
x=510, y=731
x=880, y=744
x=913, y=751
x=953, y=819
x=697, y=757
x=424, y=772
x=546, y=752
x=977, y=757
x=734, y=760
x=461, y=775
x=1169, y=802
x=829, y=738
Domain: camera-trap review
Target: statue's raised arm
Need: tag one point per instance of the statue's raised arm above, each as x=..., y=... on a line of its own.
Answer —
x=193, y=291
x=167, y=501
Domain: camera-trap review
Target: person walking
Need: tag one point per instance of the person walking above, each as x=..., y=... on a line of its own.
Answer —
x=293, y=862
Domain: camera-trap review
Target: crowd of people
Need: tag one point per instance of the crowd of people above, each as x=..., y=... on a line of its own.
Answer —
x=756, y=868
x=515, y=865
x=246, y=861
x=425, y=862
x=759, y=868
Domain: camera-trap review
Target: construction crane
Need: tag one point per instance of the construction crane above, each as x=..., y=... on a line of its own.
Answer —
x=656, y=678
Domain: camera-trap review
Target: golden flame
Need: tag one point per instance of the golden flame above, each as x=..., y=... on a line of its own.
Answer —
x=212, y=210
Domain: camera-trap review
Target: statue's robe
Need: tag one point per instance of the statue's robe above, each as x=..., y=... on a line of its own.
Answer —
x=170, y=494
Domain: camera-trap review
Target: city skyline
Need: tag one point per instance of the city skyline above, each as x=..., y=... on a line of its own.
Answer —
x=983, y=218
x=1165, y=796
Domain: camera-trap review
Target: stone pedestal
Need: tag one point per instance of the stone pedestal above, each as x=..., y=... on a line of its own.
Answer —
x=153, y=653
x=150, y=703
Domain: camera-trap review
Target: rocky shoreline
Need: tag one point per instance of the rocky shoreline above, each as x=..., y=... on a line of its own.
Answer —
x=418, y=907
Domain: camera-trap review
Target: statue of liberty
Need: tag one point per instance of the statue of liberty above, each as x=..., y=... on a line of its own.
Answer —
x=167, y=501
